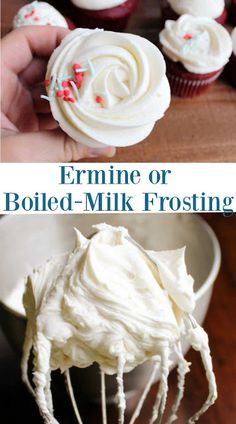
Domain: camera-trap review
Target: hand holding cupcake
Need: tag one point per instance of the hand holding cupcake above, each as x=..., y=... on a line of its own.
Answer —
x=107, y=88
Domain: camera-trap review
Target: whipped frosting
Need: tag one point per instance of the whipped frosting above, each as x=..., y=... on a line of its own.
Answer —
x=97, y=4
x=111, y=302
x=233, y=37
x=38, y=13
x=200, y=44
x=115, y=84
x=209, y=8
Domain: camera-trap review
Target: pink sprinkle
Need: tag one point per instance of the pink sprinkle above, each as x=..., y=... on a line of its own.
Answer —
x=66, y=93
x=71, y=99
x=76, y=66
x=79, y=77
x=60, y=93
x=29, y=14
x=36, y=18
x=99, y=99
x=65, y=84
x=187, y=37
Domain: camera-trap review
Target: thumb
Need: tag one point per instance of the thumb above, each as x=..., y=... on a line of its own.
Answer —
x=47, y=146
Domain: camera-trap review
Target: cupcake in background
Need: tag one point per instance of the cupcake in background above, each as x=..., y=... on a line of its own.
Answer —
x=111, y=15
x=231, y=67
x=215, y=9
x=196, y=51
x=107, y=88
x=40, y=13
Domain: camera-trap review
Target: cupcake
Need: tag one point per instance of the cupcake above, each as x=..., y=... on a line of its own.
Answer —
x=107, y=88
x=111, y=15
x=172, y=9
x=40, y=13
x=231, y=68
x=232, y=12
x=196, y=51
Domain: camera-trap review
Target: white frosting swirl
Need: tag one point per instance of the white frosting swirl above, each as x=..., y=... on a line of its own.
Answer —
x=200, y=44
x=123, y=92
x=233, y=37
x=107, y=296
x=209, y=8
x=97, y=4
x=38, y=13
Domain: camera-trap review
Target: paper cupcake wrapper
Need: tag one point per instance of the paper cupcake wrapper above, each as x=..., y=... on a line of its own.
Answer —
x=183, y=87
x=70, y=24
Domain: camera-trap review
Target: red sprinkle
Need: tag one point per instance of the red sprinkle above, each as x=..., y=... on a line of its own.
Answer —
x=99, y=99
x=187, y=37
x=60, y=93
x=29, y=14
x=66, y=93
x=69, y=99
x=65, y=84
x=76, y=66
x=46, y=83
x=78, y=85
x=79, y=77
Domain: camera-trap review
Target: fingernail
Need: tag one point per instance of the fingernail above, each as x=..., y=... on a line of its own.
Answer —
x=108, y=152
x=94, y=153
x=111, y=152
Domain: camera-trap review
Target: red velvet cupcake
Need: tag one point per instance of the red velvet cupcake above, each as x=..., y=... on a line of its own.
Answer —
x=196, y=51
x=95, y=13
x=40, y=13
x=173, y=9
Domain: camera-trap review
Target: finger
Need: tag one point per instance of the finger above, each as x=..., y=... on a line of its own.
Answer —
x=21, y=45
x=40, y=105
x=35, y=72
x=48, y=146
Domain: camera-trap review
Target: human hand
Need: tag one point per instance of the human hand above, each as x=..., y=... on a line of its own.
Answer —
x=29, y=132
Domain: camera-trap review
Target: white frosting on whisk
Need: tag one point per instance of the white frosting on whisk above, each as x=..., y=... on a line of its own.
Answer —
x=113, y=303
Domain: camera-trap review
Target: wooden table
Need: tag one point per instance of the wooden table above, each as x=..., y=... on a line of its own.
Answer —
x=202, y=129
x=17, y=405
